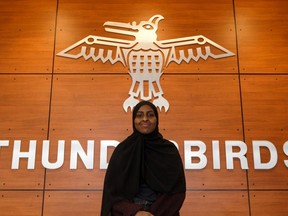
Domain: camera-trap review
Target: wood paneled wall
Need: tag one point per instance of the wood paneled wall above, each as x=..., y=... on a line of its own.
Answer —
x=44, y=96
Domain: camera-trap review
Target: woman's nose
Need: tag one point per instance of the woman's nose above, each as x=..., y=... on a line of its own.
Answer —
x=145, y=118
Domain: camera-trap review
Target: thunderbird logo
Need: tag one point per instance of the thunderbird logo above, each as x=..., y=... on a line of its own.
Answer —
x=145, y=56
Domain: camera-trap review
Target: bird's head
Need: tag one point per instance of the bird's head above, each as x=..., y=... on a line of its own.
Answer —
x=144, y=31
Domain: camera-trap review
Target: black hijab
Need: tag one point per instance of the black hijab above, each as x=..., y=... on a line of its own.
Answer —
x=146, y=157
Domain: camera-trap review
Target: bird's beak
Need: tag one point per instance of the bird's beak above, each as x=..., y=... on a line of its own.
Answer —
x=121, y=28
x=156, y=19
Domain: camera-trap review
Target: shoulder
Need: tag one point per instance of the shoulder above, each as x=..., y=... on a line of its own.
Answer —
x=170, y=143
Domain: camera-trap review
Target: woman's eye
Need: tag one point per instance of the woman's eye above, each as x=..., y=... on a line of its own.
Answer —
x=139, y=115
x=147, y=115
x=151, y=114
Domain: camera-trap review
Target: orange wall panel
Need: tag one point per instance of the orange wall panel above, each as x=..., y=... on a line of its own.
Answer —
x=24, y=105
x=86, y=107
x=202, y=106
x=205, y=108
x=24, y=110
x=262, y=33
x=27, y=36
x=202, y=203
x=21, y=203
x=265, y=118
x=265, y=105
x=72, y=203
x=268, y=203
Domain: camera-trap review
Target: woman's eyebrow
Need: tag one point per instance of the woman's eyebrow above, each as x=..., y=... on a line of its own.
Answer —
x=145, y=111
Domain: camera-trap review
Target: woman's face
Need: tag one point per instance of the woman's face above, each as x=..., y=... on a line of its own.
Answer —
x=145, y=121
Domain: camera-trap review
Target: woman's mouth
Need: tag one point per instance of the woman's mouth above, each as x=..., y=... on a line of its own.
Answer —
x=145, y=124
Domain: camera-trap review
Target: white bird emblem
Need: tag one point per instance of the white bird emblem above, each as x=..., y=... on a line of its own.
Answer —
x=145, y=56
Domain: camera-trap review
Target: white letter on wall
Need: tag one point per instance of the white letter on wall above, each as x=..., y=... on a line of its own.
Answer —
x=104, y=144
x=60, y=155
x=31, y=154
x=257, y=157
x=285, y=149
x=189, y=154
x=216, y=154
x=4, y=143
x=241, y=154
x=87, y=159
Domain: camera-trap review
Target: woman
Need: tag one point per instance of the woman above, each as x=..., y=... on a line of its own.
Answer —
x=145, y=176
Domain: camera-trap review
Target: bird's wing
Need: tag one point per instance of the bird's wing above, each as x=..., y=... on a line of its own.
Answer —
x=98, y=48
x=193, y=48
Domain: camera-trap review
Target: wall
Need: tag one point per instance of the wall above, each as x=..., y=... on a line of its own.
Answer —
x=44, y=96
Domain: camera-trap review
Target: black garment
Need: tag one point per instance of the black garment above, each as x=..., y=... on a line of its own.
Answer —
x=145, y=193
x=148, y=157
x=151, y=157
x=164, y=205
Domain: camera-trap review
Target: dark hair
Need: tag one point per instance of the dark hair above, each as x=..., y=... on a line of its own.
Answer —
x=137, y=107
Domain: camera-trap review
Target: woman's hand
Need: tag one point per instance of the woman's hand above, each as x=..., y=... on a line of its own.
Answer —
x=143, y=213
